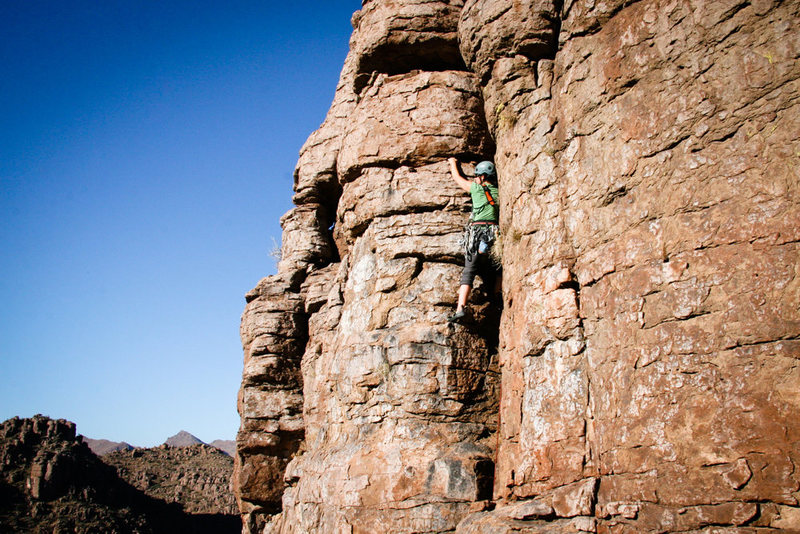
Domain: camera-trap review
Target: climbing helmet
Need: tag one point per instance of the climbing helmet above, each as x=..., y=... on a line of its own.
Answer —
x=485, y=168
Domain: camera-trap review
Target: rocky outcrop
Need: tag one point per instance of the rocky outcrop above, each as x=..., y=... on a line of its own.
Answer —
x=644, y=375
x=50, y=481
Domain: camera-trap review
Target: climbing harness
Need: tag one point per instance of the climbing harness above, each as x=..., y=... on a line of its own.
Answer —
x=479, y=236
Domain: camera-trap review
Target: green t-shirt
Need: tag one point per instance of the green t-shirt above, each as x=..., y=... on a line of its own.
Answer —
x=481, y=209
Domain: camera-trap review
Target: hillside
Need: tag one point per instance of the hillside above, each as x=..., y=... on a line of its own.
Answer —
x=197, y=477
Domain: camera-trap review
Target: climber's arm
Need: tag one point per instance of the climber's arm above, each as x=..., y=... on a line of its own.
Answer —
x=462, y=182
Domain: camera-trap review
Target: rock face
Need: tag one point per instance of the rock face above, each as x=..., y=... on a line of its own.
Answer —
x=644, y=377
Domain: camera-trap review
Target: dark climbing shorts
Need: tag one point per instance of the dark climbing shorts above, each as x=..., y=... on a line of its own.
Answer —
x=479, y=264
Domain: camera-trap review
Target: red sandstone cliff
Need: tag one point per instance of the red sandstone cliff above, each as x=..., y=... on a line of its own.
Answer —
x=645, y=376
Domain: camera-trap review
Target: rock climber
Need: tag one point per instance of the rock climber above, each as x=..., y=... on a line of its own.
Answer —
x=481, y=230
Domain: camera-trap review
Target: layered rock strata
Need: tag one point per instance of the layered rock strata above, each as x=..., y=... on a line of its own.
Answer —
x=648, y=346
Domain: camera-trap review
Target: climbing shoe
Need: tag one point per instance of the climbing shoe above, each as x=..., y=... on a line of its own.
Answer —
x=456, y=317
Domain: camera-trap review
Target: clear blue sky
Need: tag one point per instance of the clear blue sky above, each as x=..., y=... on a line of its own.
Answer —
x=146, y=155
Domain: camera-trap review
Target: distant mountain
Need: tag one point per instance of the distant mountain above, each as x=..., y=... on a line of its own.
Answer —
x=183, y=439
x=101, y=447
x=228, y=446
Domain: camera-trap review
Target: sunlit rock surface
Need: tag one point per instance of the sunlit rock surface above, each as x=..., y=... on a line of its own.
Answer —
x=640, y=373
